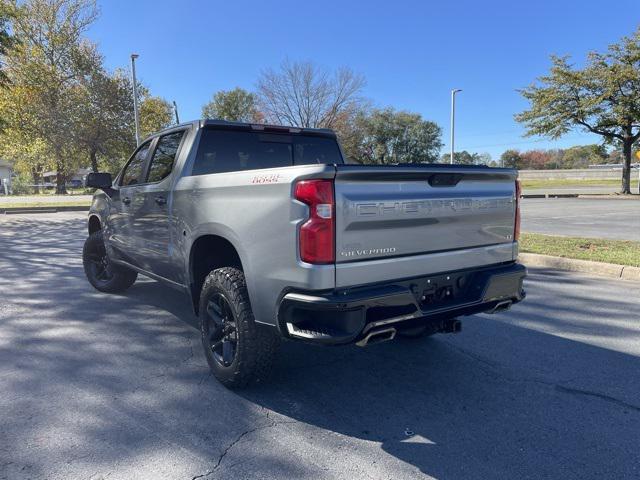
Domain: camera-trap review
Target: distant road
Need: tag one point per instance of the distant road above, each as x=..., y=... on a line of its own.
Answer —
x=577, y=190
x=581, y=217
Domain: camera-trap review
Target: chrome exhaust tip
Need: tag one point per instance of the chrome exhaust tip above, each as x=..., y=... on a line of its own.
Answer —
x=378, y=336
x=501, y=306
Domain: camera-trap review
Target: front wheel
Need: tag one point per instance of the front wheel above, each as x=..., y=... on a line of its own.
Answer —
x=238, y=350
x=100, y=271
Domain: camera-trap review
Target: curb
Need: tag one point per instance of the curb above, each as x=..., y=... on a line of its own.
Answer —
x=610, y=270
x=550, y=195
x=70, y=208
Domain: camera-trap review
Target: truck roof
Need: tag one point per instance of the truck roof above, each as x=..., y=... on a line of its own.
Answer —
x=266, y=127
x=259, y=127
x=206, y=122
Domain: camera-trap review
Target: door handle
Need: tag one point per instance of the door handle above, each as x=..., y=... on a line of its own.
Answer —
x=161, y=200
x=126, y=200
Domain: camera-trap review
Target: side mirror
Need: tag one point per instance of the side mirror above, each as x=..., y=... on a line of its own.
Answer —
x=99, y=180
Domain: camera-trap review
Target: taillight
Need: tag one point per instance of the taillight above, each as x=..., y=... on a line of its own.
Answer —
x=317, y=244
x=516, y=230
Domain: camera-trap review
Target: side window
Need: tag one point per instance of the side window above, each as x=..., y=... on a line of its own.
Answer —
x=231, y=151
x=133, y=170
x=164, y=156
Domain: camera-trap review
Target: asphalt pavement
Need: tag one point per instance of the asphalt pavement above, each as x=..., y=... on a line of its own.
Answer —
x=96, y=386
x=583, y=217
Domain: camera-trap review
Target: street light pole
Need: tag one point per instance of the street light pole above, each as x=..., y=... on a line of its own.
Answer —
x=135, y=96
x=453, y=118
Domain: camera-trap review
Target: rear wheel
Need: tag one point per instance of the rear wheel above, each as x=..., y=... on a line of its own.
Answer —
x=238, y=349
x=100, y=271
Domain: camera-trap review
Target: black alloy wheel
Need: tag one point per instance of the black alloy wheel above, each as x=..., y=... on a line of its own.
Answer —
x=221, y=332
x=98, y=263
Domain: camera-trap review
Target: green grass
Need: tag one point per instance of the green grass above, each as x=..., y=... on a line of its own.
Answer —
x=620, y=252
x=568, y=182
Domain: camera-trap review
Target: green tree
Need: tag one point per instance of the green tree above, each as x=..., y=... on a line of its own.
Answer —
x=484, y=159
x=581, y=156
x=462, y=158
x=386, y=136
x=155, y=114
x=511, y=159
x=235, y=105
x=602, y=98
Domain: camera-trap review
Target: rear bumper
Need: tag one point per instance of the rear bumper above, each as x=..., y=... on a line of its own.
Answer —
x=347, y=316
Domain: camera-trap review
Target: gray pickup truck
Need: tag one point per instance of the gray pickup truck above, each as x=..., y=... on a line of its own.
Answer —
x=273, y=235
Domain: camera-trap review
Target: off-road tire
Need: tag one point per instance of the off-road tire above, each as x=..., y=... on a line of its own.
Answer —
x=119, y=278
x=256, y=346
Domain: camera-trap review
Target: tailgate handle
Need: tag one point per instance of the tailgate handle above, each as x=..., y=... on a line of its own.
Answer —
x=444, y=179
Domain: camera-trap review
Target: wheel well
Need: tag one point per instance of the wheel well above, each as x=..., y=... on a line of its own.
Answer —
x=94, y=224
x=208, y=253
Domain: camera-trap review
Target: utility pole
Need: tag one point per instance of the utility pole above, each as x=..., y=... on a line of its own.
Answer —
x=453, y=118
x=135, y=96
x=175, y=111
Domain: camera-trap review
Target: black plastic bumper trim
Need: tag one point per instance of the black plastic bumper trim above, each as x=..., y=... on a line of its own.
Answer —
x=341, y=317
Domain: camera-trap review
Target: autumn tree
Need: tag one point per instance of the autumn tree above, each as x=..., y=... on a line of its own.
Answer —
x=156, y=113
x=44, y=67
x=6, y=39
x=535, y=159
x=601, y=98
x=302, y=94
x=237, y=105
x=104, y=116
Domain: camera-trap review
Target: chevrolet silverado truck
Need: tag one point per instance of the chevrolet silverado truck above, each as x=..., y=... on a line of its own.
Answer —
x=272, y=235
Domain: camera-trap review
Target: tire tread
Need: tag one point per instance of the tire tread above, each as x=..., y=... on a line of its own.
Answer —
x=258, y=345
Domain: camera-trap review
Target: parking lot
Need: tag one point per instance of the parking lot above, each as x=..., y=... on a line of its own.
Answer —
x=582, y=217
x=98, y=386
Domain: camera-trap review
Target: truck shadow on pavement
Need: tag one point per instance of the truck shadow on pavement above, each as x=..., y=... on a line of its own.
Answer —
x=97, y=383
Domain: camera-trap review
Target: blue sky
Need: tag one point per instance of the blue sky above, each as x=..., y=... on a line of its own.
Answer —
x=412, y=53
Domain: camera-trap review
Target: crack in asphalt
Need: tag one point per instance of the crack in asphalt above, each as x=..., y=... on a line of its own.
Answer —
x=601, y=396
x=493, y=370
x=274, y=423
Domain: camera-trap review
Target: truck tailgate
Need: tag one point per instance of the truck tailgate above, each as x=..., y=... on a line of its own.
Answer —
x=399, y=211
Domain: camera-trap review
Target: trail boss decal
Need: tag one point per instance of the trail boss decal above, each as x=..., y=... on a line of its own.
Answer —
x=271, y=178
